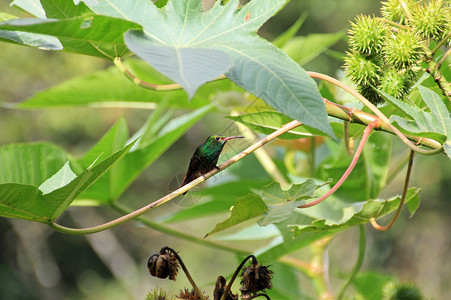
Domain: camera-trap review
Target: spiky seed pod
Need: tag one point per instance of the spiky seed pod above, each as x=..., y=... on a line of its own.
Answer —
x=362, y=70
x=187, y=295
x=371, y=94
x=255, y=278
x=430, y=21
x=163, y=265
x=402, y=50
x=395, y=83
x=158, y=294
x=407, y=291
x=393, y=11
x=366, y=35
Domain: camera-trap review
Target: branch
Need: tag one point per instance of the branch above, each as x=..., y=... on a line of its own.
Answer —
x=401, y=203
x=179, y=191
x=366, y=134
x=375, y=110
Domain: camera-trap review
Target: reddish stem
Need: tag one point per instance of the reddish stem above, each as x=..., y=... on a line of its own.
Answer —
x=366, y=134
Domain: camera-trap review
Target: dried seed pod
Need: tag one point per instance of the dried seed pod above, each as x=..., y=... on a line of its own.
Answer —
x=186, y=294
x=220, y=288
x=255, y=278
x=163, y=265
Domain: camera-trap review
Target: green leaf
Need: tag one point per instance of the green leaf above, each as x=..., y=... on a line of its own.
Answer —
x=440, y=113
x=285, y=37
x=190, y=67
x=368, y=176
x=60, y=179
x=418, y=122
x=305, y=48
x=63, y=9
x=111, y=88
x=30, y=163
x=33, y=7
x=372, y=285
x=246, y=208
x=94, y=35
x=259, y=66
x=28, y=202
x=362, y=214
x=267, y=122
x=281, y=203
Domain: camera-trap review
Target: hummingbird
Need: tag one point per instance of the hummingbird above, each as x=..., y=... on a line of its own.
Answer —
x=206, y=156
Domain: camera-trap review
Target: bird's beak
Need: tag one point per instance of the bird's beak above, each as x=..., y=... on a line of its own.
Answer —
x=233, y=137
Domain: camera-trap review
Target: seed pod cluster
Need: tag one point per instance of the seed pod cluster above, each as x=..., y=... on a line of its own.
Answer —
x=388, y=57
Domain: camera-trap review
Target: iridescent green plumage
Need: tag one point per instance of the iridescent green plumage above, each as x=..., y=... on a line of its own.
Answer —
x=206, y=157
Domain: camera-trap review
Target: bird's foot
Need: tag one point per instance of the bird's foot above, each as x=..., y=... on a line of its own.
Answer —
x=217, y=168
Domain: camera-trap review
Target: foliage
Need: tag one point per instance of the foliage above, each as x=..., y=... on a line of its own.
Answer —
x=261, y=199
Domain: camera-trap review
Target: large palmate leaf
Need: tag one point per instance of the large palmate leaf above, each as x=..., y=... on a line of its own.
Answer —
x=258, y=66
x=435, y=124
x=44, y=203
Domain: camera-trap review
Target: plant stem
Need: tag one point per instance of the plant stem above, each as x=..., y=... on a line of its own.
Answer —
x=348, y=171
x=321, y=284
x=439, y=44
x=374, y=109
x=358, y=264
x=373, y=221
x=179, y=191
x=348, y=144
x=188, y=275
x=178, y=234
x=237, y=271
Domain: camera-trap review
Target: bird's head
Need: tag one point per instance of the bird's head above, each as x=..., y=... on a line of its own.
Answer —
x=220, y=139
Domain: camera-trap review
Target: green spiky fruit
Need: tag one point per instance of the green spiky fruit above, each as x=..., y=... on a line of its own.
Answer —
x=407, y=292
x=362, y=70
x=158, y=294
x=366, y=35
x=402, y=49
x=371, y=94
x=393, y=11
x=430, y=21
x=395, y=83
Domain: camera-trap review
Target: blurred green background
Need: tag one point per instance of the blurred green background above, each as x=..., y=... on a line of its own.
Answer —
x=38, y=263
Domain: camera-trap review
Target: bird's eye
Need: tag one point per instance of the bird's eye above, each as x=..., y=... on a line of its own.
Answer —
x=217, y=138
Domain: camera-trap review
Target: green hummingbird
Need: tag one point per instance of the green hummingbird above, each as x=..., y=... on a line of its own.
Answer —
x=206, y=156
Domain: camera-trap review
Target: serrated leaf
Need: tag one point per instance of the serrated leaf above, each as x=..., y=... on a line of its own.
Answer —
x=259, y=66
x=420, y=123
x=267, y=122
x=94, y=35
x=63, y=9
x=190, y=67
x=31, y=39
x=246, y=208
x=363, y=214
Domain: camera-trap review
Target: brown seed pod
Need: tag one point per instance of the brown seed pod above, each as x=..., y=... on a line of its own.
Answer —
x=255, y=278
x=186, y=294
x=163, y=265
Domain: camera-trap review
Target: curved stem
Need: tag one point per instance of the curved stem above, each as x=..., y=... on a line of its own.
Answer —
x=188, y=275
x=403, y=198
x=374, y=109
x=237, y=271
x=444, y=57
x=366, y=134
x=179, y=191
x=260, y=295
x=358, y=264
